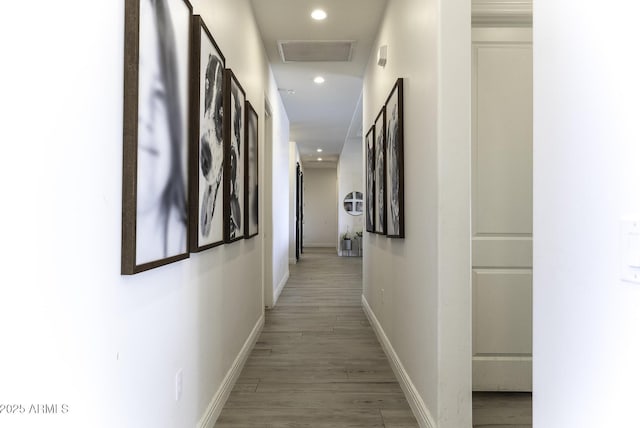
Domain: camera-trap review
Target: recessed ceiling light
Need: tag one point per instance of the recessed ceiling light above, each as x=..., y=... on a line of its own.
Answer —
x=319, y=159
x=319, y=80
x=319, y=14
x=319, y=150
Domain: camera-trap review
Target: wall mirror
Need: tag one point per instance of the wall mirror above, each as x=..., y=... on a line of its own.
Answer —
x=353, y=203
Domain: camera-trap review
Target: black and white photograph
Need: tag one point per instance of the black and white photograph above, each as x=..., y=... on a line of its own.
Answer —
x=379, y=136
x=235, y=149
x=156, y=133
x=251, y=207
x=395, y=164
x=371, y=170
x=207, y=146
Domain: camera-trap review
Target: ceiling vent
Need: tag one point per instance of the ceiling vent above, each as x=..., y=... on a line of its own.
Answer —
x=315, y=50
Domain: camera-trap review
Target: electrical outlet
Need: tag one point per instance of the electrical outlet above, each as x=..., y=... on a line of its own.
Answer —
x=382, y=295
x=178, y=384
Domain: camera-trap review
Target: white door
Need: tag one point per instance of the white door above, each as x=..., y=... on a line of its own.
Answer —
x=502, y=209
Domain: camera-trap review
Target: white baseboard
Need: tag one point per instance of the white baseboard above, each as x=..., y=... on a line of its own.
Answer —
x=214, y=408
x=319, y=245
x=420, y=410
x=278, y=290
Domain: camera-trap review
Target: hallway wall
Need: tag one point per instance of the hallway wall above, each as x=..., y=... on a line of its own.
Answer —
x=75, y=331
x=350, y=170
x=586, y=181
x=320, y=208
x=418, y=288
x=278, y=216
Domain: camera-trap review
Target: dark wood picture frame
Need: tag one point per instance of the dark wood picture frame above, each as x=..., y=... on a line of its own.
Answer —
x=206, y=156
x=252, y=209
x=394, y=125
x=235, y=152
x=156, y=132
x=370, y=209
x=379, y=135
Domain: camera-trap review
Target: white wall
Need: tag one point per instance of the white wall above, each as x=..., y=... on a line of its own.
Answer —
x=586, y=180
x=419, y=288
x=280, y=197
x=74, y=331
x=320, y=208
x=350, y=170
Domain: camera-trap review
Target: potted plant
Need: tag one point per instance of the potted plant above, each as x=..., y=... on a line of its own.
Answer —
x=357, y=244
x=346, y=241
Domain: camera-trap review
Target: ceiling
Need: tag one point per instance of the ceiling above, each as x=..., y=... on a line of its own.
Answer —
x=321, y=116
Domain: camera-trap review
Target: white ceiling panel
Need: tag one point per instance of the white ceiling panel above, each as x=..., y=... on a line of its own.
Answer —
x=320, y=115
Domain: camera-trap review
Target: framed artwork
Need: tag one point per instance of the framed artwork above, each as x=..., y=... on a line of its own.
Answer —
x=380, y=188
x=207, y=149
x=395, y=161
x=251, y=189
x=234, y=154
x=371, y=171
x=156, y=134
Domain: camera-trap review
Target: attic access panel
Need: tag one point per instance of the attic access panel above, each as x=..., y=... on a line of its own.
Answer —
x=316, y=50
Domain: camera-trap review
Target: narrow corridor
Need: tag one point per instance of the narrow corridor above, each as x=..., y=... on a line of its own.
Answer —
x=318, y=362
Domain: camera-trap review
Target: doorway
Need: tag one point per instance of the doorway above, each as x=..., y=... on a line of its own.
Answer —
x=299, y=211
x=502, y=220
x=267, y=207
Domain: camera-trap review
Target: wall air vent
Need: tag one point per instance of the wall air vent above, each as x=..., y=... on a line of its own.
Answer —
x=315, y=50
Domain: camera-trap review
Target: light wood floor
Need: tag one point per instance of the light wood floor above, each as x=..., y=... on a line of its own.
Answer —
x=318, y=363
x=502, y=410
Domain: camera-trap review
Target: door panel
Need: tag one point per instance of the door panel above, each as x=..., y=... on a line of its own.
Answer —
x=502, y=328
x=502, y=215
x=504, y=169
x=503, y=251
